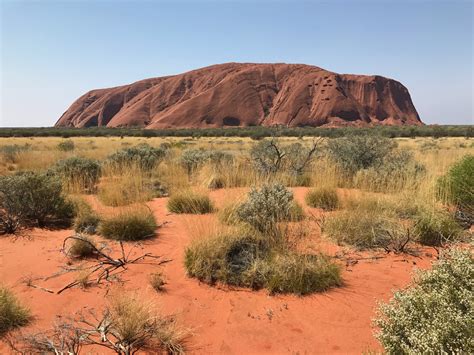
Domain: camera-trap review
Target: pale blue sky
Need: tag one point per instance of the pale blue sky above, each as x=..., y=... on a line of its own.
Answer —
x=54, y=51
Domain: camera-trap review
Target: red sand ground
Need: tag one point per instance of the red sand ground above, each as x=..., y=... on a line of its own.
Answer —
x=221, y=320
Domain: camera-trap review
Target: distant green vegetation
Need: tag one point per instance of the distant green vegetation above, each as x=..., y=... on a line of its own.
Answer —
x=255, y=132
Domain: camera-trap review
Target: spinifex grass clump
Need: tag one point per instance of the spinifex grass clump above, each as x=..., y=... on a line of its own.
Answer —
x=80, y=247
x=323, y=197
x=129, y=225
x=12, y=313
x=435, y=314
x=30, y=198
x=78, y=174
x=254, y=252
x=190, y=202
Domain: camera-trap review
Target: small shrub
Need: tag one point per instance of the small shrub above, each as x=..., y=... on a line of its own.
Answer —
x=356, y=152
x=66, y=145
x=157, y=281
x=12, y=313
x=323, y=197
x=129, y=225
x=30, y=197
x=78, y=171
x=143, y=155
x=436, y=228
x=86, y=219
x=266, y=206
x=190, y=202
x=193, y=158
x=435, y=315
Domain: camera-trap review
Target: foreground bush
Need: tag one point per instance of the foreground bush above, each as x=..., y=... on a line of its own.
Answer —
x=323, y=197
x=435, y=315
x=12, y=313
x=129, y=225
x=143, y=155
x=243, y=257
x=436, y=227
x=190, y=202
x=78, y=171
x=32, y=198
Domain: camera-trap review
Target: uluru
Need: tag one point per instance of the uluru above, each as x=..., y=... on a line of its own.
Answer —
x=247, y=94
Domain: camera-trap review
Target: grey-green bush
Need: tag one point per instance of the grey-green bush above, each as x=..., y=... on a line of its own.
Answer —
x=435, y=314
x=266, y=206
x=32, y=198
x=85, y=171
x=436, y=227
x=143, y=155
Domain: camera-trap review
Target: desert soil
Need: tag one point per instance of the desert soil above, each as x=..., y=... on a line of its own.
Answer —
x=220, y=319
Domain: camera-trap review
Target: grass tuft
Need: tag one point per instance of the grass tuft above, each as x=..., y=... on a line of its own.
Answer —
x=323, y=197
x=191, y=203
x=129, y=225
x=12, y=313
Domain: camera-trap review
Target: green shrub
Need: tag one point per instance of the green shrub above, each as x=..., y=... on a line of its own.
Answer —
x=323, y=197
x=356, y=152
x=129, y=225
x=266, y=206
x=77, y=170
x=66, y=145
x=30, y=197
x=435, y=315
x=190, y=202
x=145, y=156
x=458, y=185
x=12, y=313
x=436, y=227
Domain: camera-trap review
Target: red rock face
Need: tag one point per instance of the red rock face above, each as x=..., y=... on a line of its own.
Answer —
x=237, y=94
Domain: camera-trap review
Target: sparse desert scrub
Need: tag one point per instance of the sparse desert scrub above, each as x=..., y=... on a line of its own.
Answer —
x=129, y=224
x=10, y=152
x=132, y=325
x=78, y=174
x=12, y=313
x=32, y=198
x=190, y=202
x=435, y=314
x=323, y=197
